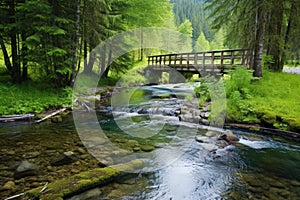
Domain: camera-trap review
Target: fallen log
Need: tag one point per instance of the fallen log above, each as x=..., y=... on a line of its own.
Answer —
x=50, y=115
x=268, y=131
x=12, y=118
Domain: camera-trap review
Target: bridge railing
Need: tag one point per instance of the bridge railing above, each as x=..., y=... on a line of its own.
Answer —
x=216, y=61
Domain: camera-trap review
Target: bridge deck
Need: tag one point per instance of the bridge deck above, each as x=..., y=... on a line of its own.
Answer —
x=210, y=61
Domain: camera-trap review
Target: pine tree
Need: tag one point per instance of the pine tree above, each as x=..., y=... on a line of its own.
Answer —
x=202, y=44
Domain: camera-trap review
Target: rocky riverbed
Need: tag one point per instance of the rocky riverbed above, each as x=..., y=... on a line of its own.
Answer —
x=35, y=155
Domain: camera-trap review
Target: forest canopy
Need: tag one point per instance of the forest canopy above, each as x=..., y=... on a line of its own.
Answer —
x=54, y=39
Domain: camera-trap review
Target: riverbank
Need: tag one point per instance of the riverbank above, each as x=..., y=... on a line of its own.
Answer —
x=271, y=102
x=32, y=97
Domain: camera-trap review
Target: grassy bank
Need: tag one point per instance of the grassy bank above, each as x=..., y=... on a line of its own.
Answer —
x=272, y=101
x=31, y=97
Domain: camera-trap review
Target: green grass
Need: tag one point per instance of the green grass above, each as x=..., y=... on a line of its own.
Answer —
x=31, y=97
x=272, y=101
x=277, y=94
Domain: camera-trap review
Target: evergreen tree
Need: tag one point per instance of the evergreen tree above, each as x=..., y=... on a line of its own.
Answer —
x=202, y=44
x=261, y=26
x=187, y=30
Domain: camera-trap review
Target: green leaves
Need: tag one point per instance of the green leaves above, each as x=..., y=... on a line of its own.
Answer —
x=32, y=98
x=65, y=71
x=51, y=30
x=56, y=52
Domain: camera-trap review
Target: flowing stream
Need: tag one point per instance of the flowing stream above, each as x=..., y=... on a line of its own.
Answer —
x=177, y=166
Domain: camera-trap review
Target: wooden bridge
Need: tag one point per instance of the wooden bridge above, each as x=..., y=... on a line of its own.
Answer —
x=212, y=62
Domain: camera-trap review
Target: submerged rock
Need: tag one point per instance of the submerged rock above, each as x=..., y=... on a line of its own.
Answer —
x=202, y=139
x=252, y=180
x=63, y=159
x=31, y=155
x=147, y=148
x=90, y=194
x=26, y=169
x=211, y=133
x=10, y=185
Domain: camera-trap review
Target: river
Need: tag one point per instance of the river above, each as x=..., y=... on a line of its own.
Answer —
x=177, y=166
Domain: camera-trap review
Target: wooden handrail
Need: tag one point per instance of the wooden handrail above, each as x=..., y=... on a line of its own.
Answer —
x=215, y=61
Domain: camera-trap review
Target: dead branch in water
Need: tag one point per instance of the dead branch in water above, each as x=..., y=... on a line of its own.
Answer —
x=50, y=115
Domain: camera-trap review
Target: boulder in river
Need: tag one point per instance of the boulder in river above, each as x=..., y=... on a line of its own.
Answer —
x=64, y=159
x=26, y=169
x=229, y=137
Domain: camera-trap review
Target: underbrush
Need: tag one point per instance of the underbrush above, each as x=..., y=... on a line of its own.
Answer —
x=272, y=101
x=32, y=97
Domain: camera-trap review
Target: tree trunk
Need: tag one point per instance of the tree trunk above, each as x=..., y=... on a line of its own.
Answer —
x=16, y=70
x=103, y=60
x=142, y=44
x=288, y=31
x=24, y=59
x=276, y=40
x=76, y=41
x=105, y=73
x=85, y=53
x=259, y=43
x=5, y=54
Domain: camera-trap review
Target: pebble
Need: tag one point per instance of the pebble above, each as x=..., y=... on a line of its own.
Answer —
x=295, y=183
x=81, y=150
x=31, y=155
x=10, y=152
x=147, y=148
x=135, y=149
x=20, y=143
x=10, y=185
x=75, y=171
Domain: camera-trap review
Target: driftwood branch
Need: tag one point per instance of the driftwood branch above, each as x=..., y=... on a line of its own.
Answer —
x=44, y=188
x=15, y=196
x=50, y=115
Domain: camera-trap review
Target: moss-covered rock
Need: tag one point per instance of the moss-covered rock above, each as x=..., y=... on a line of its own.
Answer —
x=293, y=123
x=67, y=187
x=269, y=118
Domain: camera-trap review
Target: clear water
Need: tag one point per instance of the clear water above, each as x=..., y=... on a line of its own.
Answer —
x=258, y=167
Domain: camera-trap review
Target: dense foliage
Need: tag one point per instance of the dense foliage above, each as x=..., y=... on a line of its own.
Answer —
x=268, y=27
x=32, y=98
x=55, y=38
